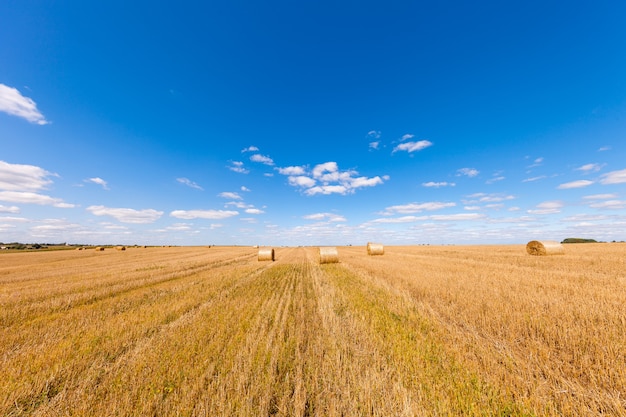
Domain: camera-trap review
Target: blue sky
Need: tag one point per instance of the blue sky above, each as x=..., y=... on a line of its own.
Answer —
x=312, y=123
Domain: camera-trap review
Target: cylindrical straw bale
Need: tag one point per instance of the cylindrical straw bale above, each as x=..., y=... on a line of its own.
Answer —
x=328, y=255
x=99, y=248
x=544, y=247
x=120, y=247
x=375, y=248
x=266, y=254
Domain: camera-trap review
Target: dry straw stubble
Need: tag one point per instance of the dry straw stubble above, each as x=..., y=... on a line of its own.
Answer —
x=544, y=248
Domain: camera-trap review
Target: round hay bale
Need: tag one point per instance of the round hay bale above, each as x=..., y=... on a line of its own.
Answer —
x=266, y=254
x=99, y=248
x=375, y=249
x=544, y=248
x=329, y=255
x=120, y=247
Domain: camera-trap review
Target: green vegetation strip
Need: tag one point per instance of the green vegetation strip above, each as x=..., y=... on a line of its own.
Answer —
x=412, y=346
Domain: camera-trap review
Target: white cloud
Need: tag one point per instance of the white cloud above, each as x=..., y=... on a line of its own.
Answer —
x=296, y=170
x=179, y=227
x=331, y=217
x=327, y=179
x=245, y=189
x=16, y=177
x=468, y=172
x=189, y=183
x=457, y=217
x=327, y=190
x=489, y=198
x=412, y=146
x=365, y=182
x=600, y=197
x=374, y=134
x=262, y=159
x=407, y=137
x=127, y=215
x=575, y=184
x=33, y=198
x=230, y=195
x=534, y=178
x=537, y=162
x=495, y=179
x=203, y=214
x=250, y=149
x=374, y=145
x=9, y=209
x=604, y=148
x=14, y=103
x=237, y=166
x=590, y=167
x=614, y=177
x=254, y=211
x=98, y=181
x=547, y=207
x=416, y=207
x=327, y=167
x=302, y=181
x=610, y=204
x=438, y=184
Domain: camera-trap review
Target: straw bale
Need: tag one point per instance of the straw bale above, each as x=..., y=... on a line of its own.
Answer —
x=375, y=248
x=266, y=254
x=99, y=248
x=328, y=255
x=120, y=247
x=544, y=248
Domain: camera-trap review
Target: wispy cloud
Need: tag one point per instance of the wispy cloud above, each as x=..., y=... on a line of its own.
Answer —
x=407, y=137
x=412, y=146
x=609, y=205
x=250, y=149
x=237, y=166
x=600, y=197
x=330, y=217
x=189, y=183
x=203, y=214
x=327, y=179
x=540, y=177
x=537, y=162
x=468, y=172
x=14, y=103
x=254, y=211
x=374, y=134
x=17, y=177
x=488, y=198
x=590, y=168
x=245, y=189
x=604, y=148
x=438, y=184
x=9, y=209
x=614, y=177
x=416, y=207
x=433, y=217
x=98, y=181
x=127, y=215
x=374, y=145
x=262, y=159
x=575, y=184
x=26, y=197
x=230, y=195
x=547, y=207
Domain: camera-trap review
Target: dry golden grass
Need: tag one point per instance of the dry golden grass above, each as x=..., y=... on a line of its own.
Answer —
x=421, y=331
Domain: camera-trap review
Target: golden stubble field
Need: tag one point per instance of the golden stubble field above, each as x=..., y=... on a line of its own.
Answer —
x=419, y=331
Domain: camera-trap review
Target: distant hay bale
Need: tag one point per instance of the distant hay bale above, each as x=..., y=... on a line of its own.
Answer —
x=120, y=247
x=544, y=248
x=79, y=248
x=266, y=254
x=99, y=248
x=375, y=248
x=328, y=255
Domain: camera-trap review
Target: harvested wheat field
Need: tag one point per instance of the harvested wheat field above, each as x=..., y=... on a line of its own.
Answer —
x=420, y=331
